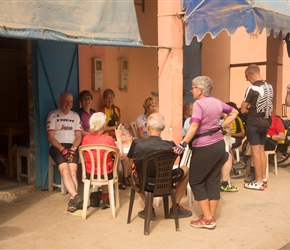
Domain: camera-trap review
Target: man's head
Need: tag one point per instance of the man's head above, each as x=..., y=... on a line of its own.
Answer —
x=155, y=124
x=65, y=101
x=252, y=73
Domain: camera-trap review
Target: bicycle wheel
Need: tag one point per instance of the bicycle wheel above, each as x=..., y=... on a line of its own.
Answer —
x=244, y=146
x=281, y=153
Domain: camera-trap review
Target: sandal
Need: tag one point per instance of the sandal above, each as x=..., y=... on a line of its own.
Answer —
x=265, y=184
x=239, y=166
x=71, y=206
x=127, y=181
x=203, y=223
x=254, y=185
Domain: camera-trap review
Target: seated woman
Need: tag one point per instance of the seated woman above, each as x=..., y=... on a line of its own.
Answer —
x=97, y=128
x=150, y=107
x=112, y=112
x=85, y=112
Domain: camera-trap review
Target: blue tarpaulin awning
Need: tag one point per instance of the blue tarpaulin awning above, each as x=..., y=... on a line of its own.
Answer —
x=213, y=16
x=108, y=22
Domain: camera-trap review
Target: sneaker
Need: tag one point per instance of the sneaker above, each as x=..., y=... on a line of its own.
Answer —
x=71, y=206
x=236, y=172
x=229, y=188
x=78, y=201
x=250, y=177
x=181, y=212
x=239, y=165
x=141, y=214
x=254, y=185
x=203, y=223
x=104, y=204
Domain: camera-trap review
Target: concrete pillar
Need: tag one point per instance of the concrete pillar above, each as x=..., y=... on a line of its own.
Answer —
x=274, y=74
x=170, y=61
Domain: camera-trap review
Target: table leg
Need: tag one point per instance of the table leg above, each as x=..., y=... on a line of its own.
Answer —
x=10, y=157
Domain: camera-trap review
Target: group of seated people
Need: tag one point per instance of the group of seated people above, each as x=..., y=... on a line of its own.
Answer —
x=67, y=130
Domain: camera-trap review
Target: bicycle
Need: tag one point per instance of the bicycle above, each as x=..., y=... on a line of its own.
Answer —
x=282, y=150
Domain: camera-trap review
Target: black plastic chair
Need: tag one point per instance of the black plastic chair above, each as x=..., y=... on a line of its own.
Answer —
x=162, y=186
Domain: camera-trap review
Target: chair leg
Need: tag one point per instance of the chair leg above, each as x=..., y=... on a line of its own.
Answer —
x=165, y=206
x=86, y=198
x=148, y=212
x=132, y=197
x=276, y=165
x=267, y=166
x=189, y=195
x=112, y=199
x=117, y=195
x=175, y=211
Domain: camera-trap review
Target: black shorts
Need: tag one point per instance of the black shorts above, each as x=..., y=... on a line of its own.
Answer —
x=58, y=158
x=256, y=135
x=270, y=144
x=238, y=142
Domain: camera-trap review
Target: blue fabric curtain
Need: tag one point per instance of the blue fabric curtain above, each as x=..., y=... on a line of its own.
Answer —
x=208, y=16
x=109, y=22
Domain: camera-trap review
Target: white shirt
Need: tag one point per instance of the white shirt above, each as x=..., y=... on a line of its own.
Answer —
x=64, y=126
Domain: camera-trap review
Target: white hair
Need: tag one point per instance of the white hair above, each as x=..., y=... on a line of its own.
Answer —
x=97, y=121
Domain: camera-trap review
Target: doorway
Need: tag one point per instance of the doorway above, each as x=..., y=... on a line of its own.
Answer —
x=14, y=108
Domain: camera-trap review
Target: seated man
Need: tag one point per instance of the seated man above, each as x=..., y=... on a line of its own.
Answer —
x=238, y=131
x=141, y=148
x=64, y=133
x=276, y=132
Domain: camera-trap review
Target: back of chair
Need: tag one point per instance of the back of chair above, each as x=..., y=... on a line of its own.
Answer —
x=93, y=152
x=133, y=126
x=163, y=162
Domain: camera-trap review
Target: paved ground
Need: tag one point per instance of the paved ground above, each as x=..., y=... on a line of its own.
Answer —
x=245, y=220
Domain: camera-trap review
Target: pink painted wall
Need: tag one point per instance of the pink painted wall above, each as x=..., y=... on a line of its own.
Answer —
x=229, y=81
x=143, y=67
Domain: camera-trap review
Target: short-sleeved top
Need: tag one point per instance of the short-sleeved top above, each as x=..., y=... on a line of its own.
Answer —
x=109, y=112
x=85, y=118
x=276, y=127
x=260, y=96
x=98, y=139
x=207, y=111
x=141, y=148
x=237, y=126
x=185, y=126
x=64, y=126
x=141, y=124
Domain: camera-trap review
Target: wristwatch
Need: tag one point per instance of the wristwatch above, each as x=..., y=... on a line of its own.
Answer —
x=75, y=148
x=183, y=144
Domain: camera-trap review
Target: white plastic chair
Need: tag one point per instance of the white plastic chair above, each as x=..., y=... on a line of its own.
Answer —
x=185, y=161
x=237, y=150
x=133, y=126
x=94, y=152
x=273, y=152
